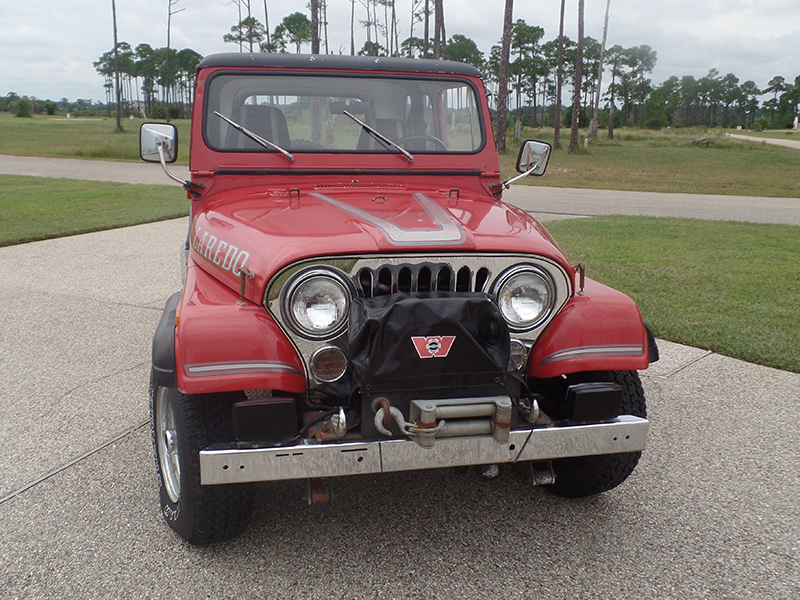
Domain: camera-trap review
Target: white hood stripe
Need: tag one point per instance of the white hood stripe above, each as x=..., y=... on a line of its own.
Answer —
x=447, y=229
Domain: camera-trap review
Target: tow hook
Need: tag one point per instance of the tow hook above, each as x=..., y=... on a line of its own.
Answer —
x=538, y=473
x=319, y=491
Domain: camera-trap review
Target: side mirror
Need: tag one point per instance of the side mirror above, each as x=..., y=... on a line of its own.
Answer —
x=533, y=157
x=155, y=138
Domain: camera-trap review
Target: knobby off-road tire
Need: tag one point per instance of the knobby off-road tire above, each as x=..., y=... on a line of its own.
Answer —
x=182, y=426
x=590, y=475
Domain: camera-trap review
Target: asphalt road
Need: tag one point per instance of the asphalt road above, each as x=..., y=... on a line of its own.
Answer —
x=795, y=144
x=545, y=203
x=711, y=511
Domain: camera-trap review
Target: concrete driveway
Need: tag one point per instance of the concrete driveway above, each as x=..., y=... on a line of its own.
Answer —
x=711, y=511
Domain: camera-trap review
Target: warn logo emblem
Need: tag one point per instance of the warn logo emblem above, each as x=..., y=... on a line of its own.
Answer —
x=435, y=346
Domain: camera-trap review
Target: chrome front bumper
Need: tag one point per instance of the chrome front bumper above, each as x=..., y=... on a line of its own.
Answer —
x=625, y=434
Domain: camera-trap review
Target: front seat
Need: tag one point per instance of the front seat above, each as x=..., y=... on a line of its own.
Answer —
x=267, y=122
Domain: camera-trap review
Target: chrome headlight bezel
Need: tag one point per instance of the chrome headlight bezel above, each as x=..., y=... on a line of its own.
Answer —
x=300, y=282
x=513, y=277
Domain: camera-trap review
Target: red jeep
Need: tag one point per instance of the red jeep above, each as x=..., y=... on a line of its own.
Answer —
x=358, y=299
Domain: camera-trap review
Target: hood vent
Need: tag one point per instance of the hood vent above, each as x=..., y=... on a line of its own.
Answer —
x=358, y=184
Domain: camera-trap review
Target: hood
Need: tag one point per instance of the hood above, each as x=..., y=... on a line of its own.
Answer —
x=263, y=231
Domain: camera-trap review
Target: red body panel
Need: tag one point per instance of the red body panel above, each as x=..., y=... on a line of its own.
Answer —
x=601, y=330
x=261, y=212
x=265, y=230
x=223, y=346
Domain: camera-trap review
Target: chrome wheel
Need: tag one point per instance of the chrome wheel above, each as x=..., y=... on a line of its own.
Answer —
x=167, y=442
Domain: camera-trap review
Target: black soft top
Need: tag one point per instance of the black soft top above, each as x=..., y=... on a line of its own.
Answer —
x=338, y=62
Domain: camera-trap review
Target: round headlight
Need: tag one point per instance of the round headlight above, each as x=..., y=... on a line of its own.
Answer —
x=525, y=297
x=317, y=305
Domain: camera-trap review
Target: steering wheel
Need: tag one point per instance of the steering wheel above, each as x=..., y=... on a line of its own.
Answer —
x=439, y=144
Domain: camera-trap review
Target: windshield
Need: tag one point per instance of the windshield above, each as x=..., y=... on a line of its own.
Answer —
x=307, y=113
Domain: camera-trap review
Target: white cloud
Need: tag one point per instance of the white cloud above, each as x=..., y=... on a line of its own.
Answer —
x=47, y=47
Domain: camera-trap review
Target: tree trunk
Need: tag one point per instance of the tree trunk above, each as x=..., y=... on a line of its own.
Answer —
x=559, y=80
x=352, y=26
x=426, y=32
x=502, y=92
x=576, y=95
x=596, y=107
x=316, y=108
x=440, y=32
x=314, y=5
x=266, y=24
x=116, y=66
x=166, y=62
x=325, y=23
x=437, y=47
x=612, y=108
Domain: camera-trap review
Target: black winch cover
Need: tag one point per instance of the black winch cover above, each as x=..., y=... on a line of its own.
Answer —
x=386, y=358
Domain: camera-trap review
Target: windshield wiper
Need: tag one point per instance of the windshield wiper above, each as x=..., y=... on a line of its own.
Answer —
x=255, y=137
x=378, y=136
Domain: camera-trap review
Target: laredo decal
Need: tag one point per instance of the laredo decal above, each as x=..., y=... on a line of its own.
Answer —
x=435, y=346
x=221, y=253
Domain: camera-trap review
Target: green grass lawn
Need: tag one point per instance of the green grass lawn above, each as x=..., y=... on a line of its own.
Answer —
x=655, y=161
x=733, y=288
x=88, y=138
x=36, y=208
x=639, y=160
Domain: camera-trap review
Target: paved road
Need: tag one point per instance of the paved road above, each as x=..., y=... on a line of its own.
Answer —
x=546, y=203
x=549, y=202
x=92, y=170
x=763, y=140
x=711, y=512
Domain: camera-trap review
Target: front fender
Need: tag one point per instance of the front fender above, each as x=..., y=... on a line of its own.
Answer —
x=221, y=345
x=597, y=331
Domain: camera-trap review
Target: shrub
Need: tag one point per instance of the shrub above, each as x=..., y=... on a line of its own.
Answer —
x=24, y=108
x=158, y=112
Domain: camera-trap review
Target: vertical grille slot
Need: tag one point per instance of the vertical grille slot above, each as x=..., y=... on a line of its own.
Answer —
x=481, y=279
x=463, y=280
x=444, y=280
x=385, y=282
x=424, y=280
x=365, y=282
x=404, y=280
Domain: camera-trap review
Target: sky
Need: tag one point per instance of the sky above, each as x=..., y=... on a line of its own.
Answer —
x=47, y=46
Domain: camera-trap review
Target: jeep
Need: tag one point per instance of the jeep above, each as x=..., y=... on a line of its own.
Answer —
x=358, y=299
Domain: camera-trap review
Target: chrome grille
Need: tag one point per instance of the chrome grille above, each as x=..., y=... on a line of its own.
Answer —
x=378, y=275
x=420, y=277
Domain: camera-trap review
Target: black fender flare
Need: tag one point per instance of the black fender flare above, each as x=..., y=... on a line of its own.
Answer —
x=652, y=347
x=163, y=362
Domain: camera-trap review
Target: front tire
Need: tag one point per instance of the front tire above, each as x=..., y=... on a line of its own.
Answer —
x=182, y=426
x=589, y=475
